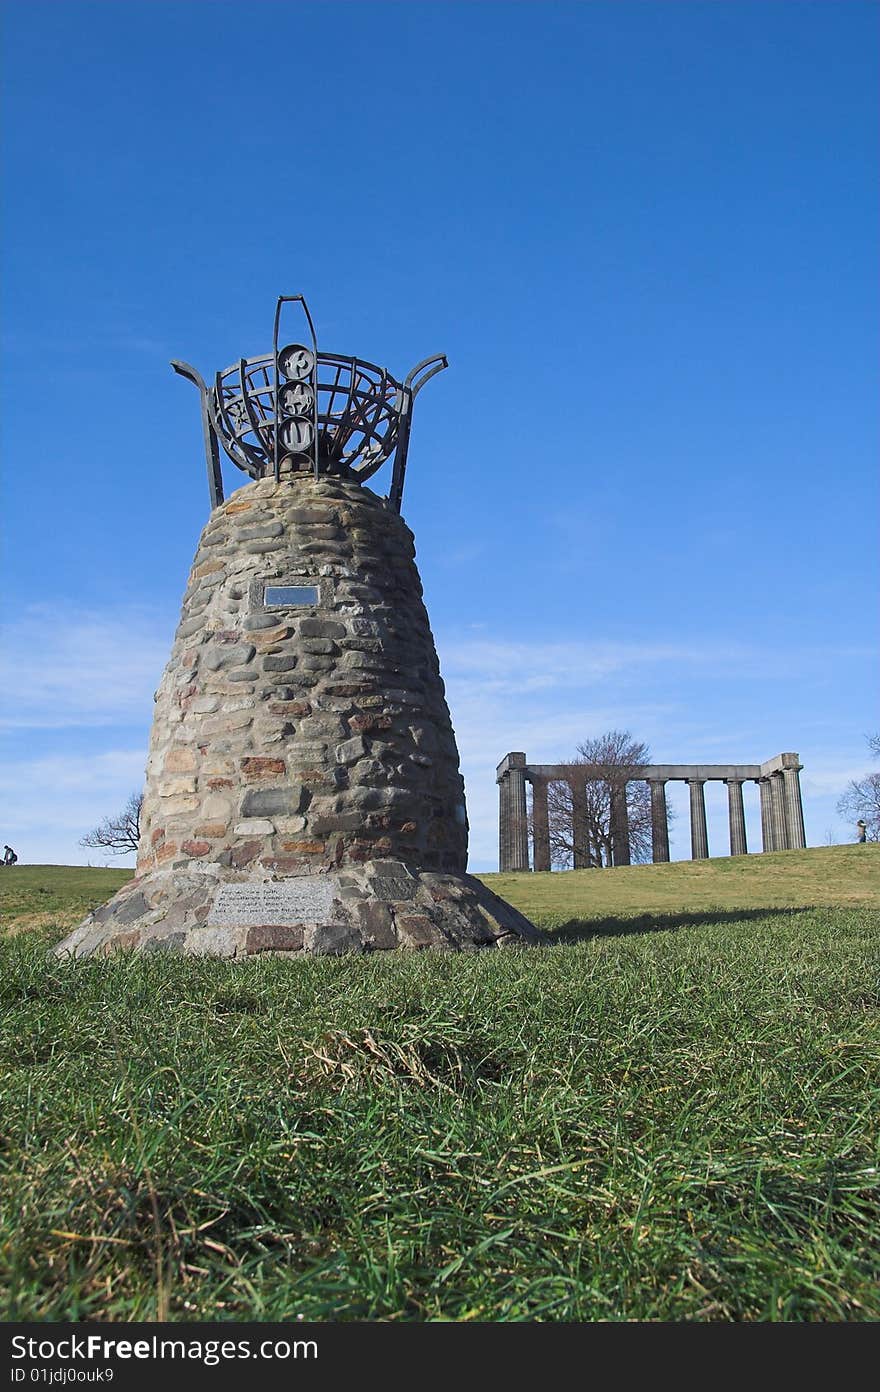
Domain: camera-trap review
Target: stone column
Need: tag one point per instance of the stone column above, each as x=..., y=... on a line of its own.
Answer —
x=659, y=821
x=619, y=825
x=699, y=834
x=540, y=825
x=794, y=807
x=503, y=824
x=579, y=831
x=737, y=816
x=519, y=820
x=766, y=814
x=777, y=812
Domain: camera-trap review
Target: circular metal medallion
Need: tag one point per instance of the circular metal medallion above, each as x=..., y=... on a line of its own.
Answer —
x=295, y=362
x=296, y=399
x=296, y=434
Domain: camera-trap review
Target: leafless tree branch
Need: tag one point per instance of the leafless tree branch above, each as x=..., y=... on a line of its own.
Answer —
x=119, y=835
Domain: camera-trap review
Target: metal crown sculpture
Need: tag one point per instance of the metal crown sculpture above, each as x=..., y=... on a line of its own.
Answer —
x=298, y=409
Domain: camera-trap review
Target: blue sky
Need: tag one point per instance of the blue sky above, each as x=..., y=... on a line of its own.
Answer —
x=645, y=493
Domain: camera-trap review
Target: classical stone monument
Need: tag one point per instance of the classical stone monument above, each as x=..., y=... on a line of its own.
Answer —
x=782, y=816
x=303, y=790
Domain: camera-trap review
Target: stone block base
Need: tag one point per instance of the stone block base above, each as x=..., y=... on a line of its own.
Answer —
x=378, y=906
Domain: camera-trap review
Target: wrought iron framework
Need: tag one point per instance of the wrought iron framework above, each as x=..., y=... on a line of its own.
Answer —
x=297, y=408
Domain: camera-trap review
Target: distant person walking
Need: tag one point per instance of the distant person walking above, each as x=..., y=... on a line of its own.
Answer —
x=9, y=856
x=863, y=831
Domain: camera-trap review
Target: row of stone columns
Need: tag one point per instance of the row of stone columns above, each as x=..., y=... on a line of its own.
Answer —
x=782, y=818
x=782, y=812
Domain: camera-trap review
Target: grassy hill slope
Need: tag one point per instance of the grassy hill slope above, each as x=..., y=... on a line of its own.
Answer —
x=823, y=876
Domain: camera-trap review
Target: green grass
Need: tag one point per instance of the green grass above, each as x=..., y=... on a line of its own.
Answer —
x=663, y=1115
x=53, y=897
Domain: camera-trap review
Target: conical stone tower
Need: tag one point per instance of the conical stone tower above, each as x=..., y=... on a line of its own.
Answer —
x=303, y=790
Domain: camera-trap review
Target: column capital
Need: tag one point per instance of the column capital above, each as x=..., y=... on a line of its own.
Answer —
x=510, y=761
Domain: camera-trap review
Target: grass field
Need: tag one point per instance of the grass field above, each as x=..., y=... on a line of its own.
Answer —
x=668, y=1113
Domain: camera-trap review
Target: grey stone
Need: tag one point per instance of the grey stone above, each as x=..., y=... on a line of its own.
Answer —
x=219, y=655
x=279, y=663
x=349, y=751
x=261, y=532
x=328, y=939
x=389, y=890
x=320, y=647
x=255, y=622
x=135, y=906
x=172, y=942
x=321, y=628
x=269, y=802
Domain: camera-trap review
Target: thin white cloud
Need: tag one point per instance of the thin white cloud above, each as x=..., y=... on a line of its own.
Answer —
x=523, y=666
x=50, y=802
x=69, y=667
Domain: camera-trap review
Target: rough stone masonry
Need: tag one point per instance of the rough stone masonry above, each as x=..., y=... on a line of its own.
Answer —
x=303, y=790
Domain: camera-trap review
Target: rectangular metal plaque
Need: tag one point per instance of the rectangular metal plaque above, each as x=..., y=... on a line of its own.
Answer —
x=306, y=899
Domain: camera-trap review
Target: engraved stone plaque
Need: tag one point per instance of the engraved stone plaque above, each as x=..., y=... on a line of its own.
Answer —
x=388, y=888
x=305, y=899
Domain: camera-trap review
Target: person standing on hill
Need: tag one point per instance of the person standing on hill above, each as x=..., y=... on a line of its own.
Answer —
x=9, y=856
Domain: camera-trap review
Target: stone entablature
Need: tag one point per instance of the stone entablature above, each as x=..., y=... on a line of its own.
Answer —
x=782, y=817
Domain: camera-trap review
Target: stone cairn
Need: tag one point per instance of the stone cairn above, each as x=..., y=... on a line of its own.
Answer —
x=303, y=790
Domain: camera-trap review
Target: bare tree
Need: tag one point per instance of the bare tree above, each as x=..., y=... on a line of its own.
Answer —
x=616, y=759
x=862, y=797
x=119, y=835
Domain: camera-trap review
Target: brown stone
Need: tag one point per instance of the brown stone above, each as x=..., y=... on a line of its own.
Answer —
x=274, y=938
x=157, y=835
x=167, y=852
x=305, y=847
x=361, y=723
x=195, y=848
x=239, y=505
x=254, y=768
x=289, y=708
x=215, y=783
x=376, y=925
x=267, y=638
x=245, y=853
x=417, y=930
x=180, y=759
x=126, y=941
x=214, y=830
